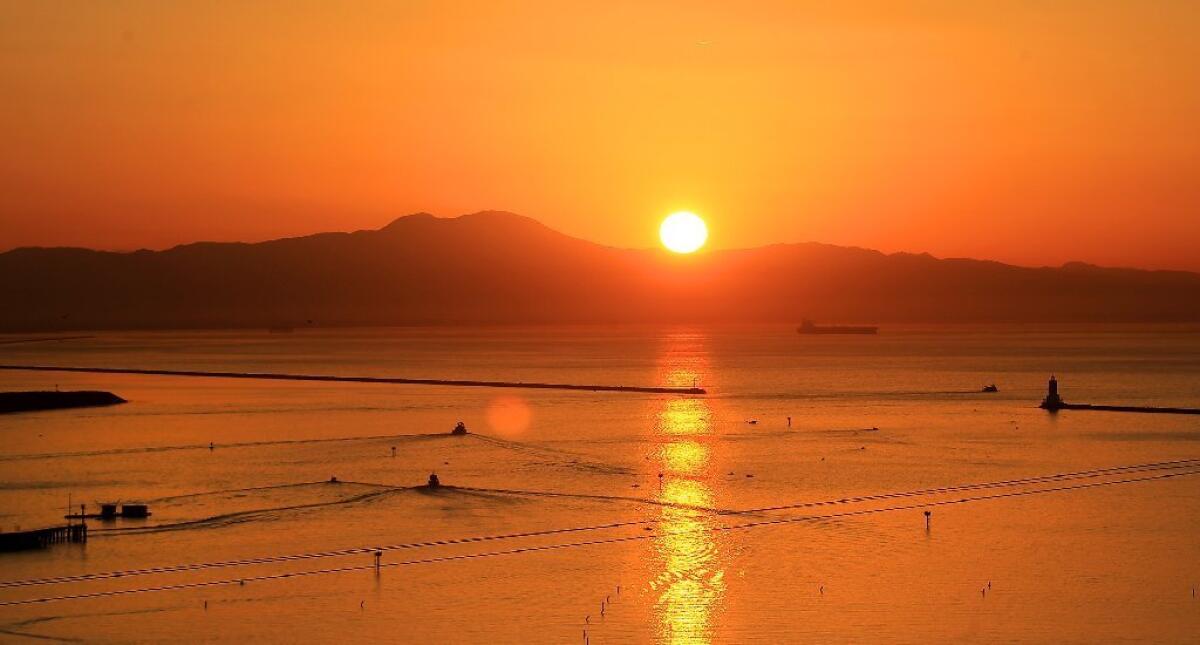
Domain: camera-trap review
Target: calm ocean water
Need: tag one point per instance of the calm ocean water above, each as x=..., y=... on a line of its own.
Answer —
x=610, y=517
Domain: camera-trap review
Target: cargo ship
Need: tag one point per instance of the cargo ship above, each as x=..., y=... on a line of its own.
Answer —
x=809, y=327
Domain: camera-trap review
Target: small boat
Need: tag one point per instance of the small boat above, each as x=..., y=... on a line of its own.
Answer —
x=809, y=327
x=459, y=428
x=991, y=388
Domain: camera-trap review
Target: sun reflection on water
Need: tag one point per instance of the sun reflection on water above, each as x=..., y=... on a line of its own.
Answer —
x=691, y=580
x=684, y=457
x=685, y=416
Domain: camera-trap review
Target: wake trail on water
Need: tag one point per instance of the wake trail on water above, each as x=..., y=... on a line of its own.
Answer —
x=555, y=456
x=223, y=446
x=1082, y=479
x=595, y=542
x=253, y=489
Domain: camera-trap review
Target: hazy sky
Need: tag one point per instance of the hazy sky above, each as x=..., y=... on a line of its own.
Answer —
x=1030, y=132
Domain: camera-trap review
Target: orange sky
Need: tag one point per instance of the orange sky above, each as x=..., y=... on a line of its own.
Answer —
x=1030, y=132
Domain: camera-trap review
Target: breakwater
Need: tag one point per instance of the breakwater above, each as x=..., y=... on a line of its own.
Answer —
x=1120, y=408
x=34, y=401
x=365, y=379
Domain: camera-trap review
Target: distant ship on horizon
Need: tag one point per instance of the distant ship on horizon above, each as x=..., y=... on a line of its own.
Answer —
x=809, y=327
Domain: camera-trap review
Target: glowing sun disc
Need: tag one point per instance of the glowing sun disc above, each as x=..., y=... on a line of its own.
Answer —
x=683, y=232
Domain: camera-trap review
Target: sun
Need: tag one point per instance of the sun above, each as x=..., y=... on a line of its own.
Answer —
x=683, y=232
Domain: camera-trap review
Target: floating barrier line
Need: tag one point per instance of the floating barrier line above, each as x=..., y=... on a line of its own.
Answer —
x=553, y=547
x=1100, y=472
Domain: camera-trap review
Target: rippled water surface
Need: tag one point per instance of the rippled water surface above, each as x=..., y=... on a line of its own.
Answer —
x=786, y=505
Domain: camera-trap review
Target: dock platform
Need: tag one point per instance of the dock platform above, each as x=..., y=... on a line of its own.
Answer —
x=42, y=538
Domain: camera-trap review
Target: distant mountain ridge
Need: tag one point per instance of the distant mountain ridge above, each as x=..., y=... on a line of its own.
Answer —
x=500, y=268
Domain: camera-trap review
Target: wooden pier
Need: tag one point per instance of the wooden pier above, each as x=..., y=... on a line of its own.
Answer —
x=42, y=538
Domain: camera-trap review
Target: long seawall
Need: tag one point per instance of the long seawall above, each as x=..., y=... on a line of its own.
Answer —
x=363, y=379
x=1121, y=408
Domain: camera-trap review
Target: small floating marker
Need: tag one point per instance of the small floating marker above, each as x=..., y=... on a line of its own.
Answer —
x=928, y=515
x=393, y=452
x=378, y=557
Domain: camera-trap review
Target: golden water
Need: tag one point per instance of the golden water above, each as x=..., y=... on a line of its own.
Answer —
x=1079, y=527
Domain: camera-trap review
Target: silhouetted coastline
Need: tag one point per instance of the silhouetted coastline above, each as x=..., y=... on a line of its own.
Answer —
x=504, y=269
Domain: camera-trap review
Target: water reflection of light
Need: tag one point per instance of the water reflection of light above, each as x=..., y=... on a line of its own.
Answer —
x=685, y=416
x=682, y=377
x=691, y=580
x=684, y=457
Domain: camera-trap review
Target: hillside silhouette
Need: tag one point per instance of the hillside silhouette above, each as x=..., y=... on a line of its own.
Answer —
x=495, y=267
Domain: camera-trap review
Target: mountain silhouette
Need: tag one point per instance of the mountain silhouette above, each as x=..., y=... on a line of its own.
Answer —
x=496, y=267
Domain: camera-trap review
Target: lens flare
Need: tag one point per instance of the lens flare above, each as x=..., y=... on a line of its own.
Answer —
x=509, y=415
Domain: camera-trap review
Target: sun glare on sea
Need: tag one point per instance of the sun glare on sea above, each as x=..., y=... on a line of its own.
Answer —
x=683, y=232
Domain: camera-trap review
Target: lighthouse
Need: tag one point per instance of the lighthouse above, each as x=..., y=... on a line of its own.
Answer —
x=1052, y=401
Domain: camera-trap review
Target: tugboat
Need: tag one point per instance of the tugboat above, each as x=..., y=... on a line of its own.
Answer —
x=459, y=428
x=809, y=327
